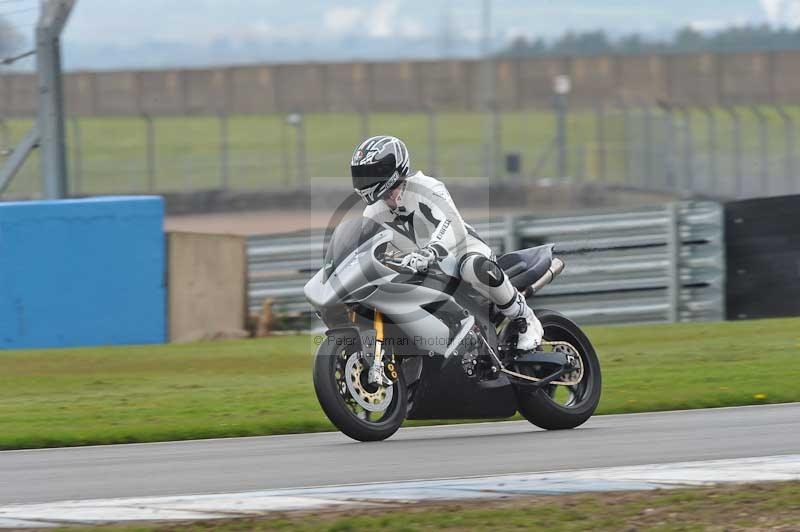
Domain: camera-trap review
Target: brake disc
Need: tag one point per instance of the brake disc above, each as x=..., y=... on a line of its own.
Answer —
x=373, y=401
x=575, y=376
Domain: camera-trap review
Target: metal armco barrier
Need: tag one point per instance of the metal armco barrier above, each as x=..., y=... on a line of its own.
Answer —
x=656, y=264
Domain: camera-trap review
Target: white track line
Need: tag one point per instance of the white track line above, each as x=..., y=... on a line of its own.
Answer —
x=196, y=507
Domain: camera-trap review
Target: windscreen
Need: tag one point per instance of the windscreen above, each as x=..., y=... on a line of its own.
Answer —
x=347, y=236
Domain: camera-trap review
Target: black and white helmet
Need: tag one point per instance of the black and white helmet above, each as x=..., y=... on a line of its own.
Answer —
x=379, y=164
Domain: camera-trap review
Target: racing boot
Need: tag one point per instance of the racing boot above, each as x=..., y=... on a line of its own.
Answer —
x=528, y=325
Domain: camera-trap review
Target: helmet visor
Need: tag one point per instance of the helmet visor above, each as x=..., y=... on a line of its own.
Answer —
x=368, y=175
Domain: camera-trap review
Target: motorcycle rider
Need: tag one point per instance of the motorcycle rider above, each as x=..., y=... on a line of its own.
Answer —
x=419, y=208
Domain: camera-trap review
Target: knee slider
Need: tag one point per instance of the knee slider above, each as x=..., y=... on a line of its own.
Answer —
x=487, y=272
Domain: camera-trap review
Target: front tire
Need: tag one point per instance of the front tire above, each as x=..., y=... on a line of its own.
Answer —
x=541, y=406
x=339, y=403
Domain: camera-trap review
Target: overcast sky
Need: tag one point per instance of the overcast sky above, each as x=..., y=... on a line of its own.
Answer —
x=106, y=33
x=132, y=21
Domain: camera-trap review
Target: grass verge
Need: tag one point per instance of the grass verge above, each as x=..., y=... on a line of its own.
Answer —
x=255, y=387
x=739, y=507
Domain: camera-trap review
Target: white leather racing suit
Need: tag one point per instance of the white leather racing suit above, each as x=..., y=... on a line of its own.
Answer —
x=427, y=217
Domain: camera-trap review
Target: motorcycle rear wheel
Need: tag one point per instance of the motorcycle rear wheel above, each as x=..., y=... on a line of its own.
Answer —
x=340, y=405
x=545, y=407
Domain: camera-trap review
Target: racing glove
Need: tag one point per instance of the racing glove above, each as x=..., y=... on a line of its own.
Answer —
x=420, y=260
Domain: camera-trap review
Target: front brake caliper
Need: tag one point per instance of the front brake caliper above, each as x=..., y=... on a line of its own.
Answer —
x=391, y=370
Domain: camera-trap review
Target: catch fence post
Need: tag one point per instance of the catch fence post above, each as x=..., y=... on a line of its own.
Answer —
x=497, y=142
x=150, y=151
x=763, y=148
x=688, y=150
x=364, y=116
x=302, y=161
x=736, y=124
x=50, y=123
x=492, y=145
x=77, y=155
x=530, y=150
x=600, y=131
x=488, y=93
x=560, y=106
x=510, y=236
x=285, y=160
x=224, y=155
x=711, y=138
x=789, y=136
x=670, y=177
x=626, y=146
x=433, y=156
x=647, y=171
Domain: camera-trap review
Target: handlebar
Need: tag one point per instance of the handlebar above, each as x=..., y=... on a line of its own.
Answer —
x=395, y=260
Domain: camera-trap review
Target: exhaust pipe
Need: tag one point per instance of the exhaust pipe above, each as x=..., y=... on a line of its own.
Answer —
x=556, y=267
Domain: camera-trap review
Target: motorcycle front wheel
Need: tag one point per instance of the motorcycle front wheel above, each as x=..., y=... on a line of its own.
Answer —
x=358, y=408
x=556, y=407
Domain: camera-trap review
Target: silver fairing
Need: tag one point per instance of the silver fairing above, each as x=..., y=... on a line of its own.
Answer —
x=362, y=278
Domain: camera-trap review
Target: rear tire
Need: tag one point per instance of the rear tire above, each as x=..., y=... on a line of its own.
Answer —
x=539, y=406
x=339, y=412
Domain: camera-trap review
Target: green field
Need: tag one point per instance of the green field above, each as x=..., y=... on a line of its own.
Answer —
x=108, y=154
x=772, y=506
x=251, y=387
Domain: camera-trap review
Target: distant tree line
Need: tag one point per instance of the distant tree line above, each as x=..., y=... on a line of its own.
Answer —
x=686, y=40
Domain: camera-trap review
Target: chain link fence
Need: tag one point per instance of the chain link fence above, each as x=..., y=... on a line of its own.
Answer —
x=733, y=151
x=727, y=152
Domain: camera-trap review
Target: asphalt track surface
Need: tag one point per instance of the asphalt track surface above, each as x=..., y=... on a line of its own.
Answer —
x=243, y=464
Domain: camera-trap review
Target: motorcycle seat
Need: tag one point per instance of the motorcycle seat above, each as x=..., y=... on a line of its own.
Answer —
x=526, y=266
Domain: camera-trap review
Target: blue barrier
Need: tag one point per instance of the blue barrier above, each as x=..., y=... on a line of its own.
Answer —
x=82, y=272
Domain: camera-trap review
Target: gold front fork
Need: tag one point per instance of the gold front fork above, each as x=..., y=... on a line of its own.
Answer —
x=378, y=326
x=379, y=337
